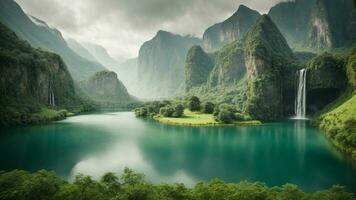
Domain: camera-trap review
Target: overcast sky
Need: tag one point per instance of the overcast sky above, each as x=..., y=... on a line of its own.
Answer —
x=121, y=26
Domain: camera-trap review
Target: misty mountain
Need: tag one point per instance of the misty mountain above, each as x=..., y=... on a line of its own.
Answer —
x=40, y=35
x=127, y=73
x=106, y=89
x=100, y=54
x=229, y=30
x=161, y=64
x=80, y=50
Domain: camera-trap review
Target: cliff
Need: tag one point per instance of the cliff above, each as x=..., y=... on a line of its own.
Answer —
x=197, y=68
x=161, y=64
x=229, y=30
x=268, y=58
x=106, y=89
x=316, y=24
x=30, y=80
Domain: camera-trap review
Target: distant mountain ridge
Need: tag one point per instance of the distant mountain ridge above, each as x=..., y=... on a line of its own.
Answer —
x=39, y=34
x=80, y=50
x=101, y=55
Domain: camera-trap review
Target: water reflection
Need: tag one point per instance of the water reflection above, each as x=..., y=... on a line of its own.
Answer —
x=275, y=153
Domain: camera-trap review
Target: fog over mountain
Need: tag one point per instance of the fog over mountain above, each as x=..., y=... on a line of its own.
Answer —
x=127, y=24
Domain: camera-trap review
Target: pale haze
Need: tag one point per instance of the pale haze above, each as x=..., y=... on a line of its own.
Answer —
x=122, y=26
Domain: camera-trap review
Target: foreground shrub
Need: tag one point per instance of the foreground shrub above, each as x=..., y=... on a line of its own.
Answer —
x=21, y=185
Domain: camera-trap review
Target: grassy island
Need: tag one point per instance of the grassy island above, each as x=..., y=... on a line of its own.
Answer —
x=194, y=113
x=190, y=118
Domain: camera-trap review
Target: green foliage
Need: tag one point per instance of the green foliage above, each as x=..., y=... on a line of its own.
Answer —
x=225, y=116
x=167, y=111
x=151, y=109
x=197, y=67
x=172, y=110
x=194, y=103
x=208, y=107
x=21, y=185
x=340, y=125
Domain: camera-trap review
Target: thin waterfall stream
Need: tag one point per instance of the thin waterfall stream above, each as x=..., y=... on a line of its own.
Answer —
x=300, y=103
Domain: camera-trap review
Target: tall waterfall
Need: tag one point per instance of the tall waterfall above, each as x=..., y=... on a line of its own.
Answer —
x=301, y=95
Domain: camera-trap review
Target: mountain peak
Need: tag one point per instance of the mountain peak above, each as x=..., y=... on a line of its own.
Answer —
x=163, y=32
x=233, y=28
x=266, y=34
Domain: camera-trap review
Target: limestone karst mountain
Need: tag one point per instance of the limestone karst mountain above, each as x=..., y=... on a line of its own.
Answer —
x=229, y=30
x=161, y=64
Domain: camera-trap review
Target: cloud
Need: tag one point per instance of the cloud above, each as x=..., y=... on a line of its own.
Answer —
x=121, y=26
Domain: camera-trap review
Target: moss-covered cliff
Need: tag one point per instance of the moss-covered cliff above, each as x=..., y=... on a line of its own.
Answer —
x=197, y=67
x=268, y=57
x=32, y=78
x=230, y=66
x=338, y=119
x=257, y=74
x=106, y=89
x=326, y=79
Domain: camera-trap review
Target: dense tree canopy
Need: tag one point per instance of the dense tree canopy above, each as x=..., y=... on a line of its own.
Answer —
x=44, y=185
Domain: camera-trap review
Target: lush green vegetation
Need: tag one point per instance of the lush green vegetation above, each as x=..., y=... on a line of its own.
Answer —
x=340, y=125
x=338, y=119
x=44, y=185
x=189, y=118
x=28, y=76
x=195, y=113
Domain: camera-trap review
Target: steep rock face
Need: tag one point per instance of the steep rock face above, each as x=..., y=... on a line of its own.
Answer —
x=28, y=72
x=320, y=34
x=326, y=78
x=197, y=68
x=229, y=30
x=316, y=24
x=230, y=66
x=39, y=34
x=267, y=54
x=292, y=19
x=104, y=87
x=330, y=22
x=161, y=64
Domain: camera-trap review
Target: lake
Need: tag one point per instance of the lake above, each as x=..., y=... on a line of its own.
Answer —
x=274, y=153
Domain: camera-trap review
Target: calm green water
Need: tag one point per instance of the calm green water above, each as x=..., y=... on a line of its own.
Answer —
x=275, y=153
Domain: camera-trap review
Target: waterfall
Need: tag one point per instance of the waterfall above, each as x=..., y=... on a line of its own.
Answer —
x=53, y=104
x=51, y=97
x=301, y=95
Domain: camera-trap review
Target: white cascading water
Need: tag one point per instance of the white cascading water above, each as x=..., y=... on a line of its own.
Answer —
x=300, y=103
